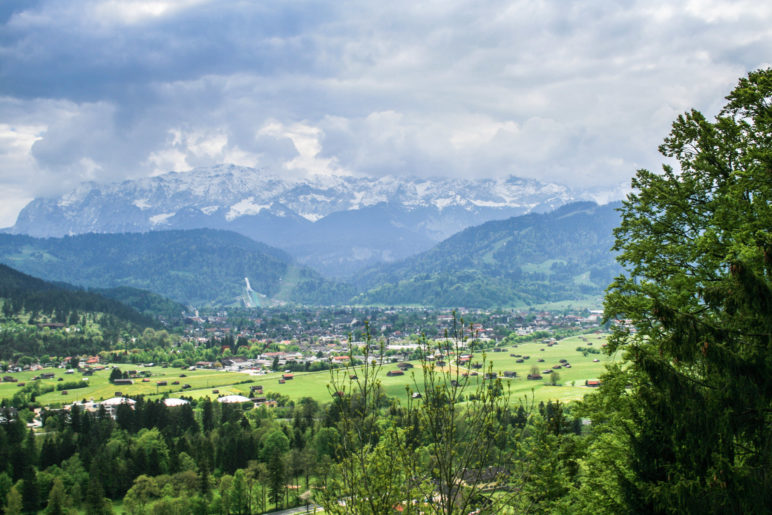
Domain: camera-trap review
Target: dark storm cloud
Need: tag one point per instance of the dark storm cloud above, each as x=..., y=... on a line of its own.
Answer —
x=72, y=50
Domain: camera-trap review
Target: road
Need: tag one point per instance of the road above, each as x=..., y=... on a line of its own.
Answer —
x=300, y=509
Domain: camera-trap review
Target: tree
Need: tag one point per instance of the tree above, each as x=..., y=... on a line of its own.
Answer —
x=5, y=486
x=326, y=443
x=275, y=444
x=693, y=316
x=140, y=494
x=239, y=495
x=116, y=374
x=276, y=477
x=370, y=477
x=207, y=415
x=554, y=378
x=13, y=505
x=545, y=467
x=460, y=419
x=30, y=490
x=225, y=490
x=96, y=504
x=57, y=499
x=442, y=446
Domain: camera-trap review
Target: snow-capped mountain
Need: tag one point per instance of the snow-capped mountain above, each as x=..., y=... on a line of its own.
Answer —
x=336, y=224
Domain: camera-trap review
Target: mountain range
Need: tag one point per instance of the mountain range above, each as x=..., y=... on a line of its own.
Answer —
x=528, y=259
x=337, y=225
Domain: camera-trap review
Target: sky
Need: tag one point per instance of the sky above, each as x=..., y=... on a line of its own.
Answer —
x=580, y=93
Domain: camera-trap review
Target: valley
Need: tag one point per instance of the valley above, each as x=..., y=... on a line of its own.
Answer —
x=212, y=383
x=385, y=258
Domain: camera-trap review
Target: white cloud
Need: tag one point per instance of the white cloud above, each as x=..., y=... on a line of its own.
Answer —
x=137, y=11
x=580, y=93
x=201, y=147
x=16, y=143
x=307, y=142
x=12, y=200
x=168, y=159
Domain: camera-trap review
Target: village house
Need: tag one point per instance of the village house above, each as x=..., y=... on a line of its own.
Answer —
x=592, y=383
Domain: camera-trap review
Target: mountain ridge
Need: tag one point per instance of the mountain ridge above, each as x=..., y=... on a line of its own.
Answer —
x=530, y=259
x=199, y=266
x=316, y=219
x=36, y=294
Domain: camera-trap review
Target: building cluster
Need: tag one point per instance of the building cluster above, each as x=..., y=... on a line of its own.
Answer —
x=313, y=335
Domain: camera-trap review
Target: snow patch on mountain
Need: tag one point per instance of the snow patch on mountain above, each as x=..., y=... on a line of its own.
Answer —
x=245, y=207
x=319, y=219
x=160, y=219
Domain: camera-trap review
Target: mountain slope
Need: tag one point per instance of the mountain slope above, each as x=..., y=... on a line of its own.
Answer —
x=32, y=294
x=198, y=266
x=325, y=222
x=144, y=301
x=528, y=259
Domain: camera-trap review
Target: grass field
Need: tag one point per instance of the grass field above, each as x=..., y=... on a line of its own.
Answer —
x=315, y=384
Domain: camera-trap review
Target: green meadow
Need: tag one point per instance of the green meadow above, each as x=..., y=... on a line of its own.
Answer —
x=213, y=383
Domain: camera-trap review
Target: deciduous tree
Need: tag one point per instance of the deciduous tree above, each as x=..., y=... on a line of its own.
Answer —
x=693, y=315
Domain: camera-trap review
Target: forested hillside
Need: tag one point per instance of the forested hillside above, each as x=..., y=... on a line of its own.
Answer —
x=536, y=258
x=24, y=293
x=527, y=259
x=193, y=267
x=42, y=318
x=144, y=301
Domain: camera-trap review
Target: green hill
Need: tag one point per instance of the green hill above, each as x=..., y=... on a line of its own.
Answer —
x=199, y=266
x=144, y=301
x=21, y=292
x=523, y=260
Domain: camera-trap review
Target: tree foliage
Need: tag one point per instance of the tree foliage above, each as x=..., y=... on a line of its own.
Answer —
x=453, y=440
x=693, y=314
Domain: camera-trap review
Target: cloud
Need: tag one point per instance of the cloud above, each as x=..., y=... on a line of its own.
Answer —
x=306, y=141
x=578, y=93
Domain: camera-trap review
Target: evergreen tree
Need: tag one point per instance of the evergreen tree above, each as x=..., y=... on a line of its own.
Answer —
x=115, y=373
x=48, y=453
x=14, y=504
x=57, y=499
x=5, y=487
x=276, y=477
x=204, y=485
x=692, y=316
x=95, y=497
x=207, y=415
x=30, y=491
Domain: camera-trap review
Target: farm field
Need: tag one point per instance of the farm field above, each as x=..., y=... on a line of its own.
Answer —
x=203, y=383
